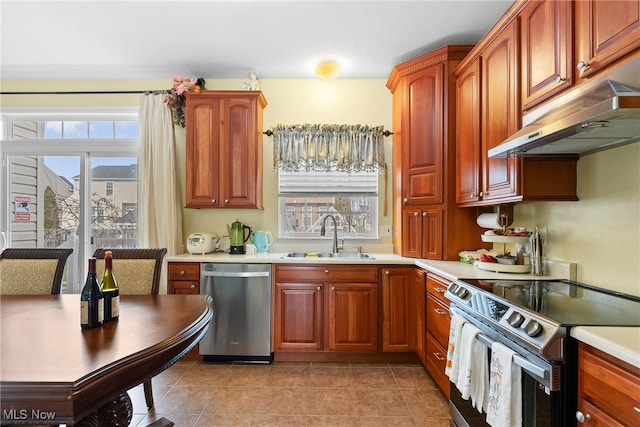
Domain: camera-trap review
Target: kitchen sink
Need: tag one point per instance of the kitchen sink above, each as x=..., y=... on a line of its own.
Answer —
x=355, y=255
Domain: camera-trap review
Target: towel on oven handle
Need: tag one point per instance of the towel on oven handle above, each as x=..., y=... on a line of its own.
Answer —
x=455, y=333
x=504, y=407
x=473, y=369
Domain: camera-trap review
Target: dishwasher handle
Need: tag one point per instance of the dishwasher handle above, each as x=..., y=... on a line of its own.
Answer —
x=236, y=273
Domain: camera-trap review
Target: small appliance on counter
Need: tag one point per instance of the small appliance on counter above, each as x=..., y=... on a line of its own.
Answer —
x=238, y=235
x=201, y=243
x=263, y=240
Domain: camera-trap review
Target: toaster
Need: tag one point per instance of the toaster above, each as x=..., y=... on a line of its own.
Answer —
x=201, y=243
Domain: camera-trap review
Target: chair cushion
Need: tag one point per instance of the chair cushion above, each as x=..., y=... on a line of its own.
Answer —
x=27, y=276
x=134, y=276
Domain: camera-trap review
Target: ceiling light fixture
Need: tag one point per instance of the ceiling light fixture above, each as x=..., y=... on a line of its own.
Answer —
x=328, y=70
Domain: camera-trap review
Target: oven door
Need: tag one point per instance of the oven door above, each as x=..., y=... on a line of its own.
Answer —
x=541, y=406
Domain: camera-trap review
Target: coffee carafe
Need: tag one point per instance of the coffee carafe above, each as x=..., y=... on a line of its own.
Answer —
x=238, y=235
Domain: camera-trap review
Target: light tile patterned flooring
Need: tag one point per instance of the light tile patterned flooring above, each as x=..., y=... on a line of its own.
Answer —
x=198, y=394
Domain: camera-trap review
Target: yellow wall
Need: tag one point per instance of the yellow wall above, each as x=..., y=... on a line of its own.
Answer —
x=601, y=232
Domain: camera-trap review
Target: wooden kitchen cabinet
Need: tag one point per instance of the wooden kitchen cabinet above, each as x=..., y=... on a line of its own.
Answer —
x=547, y=50
x=488, y=96
x=184, y=278
x=398, y=319
x=224, y=149
x=605, y=31
x=437, y=336
x=418, y=298
x=608, y=389
x=429, y=224
x=326, y=307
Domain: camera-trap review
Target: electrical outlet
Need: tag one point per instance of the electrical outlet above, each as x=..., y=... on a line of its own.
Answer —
x=385, y=230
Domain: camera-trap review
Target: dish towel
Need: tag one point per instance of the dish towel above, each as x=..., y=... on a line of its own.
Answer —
x=472, y=380
x=455, y=332
x=504, y=406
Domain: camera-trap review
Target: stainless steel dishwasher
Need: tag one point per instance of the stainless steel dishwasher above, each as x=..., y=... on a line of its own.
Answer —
x=241, y=325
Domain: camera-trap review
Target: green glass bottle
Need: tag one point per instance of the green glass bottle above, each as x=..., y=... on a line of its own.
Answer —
x=110, y=290
x=91, y=301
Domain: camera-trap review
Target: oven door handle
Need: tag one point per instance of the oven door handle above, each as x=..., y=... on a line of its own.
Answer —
x=518, y=360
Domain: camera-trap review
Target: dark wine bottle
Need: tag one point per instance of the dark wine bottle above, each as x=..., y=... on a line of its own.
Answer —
x=110, y=290
x=91, y=301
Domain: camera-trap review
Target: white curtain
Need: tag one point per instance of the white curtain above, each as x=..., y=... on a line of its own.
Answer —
x=317, y=147
x=159, y=213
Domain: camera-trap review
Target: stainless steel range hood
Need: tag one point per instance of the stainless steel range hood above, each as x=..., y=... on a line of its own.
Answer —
x=592, y=117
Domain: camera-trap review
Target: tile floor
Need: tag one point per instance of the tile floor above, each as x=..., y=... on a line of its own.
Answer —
x=192, y=393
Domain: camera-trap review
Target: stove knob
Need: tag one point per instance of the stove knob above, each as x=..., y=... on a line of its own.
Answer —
x=461, y=292
x=516, y=319
x=533, y=328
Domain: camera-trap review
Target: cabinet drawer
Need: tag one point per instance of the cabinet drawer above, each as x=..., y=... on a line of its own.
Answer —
x=184, y=271
x=608, y=386
x=326, y=273
x=438, y=320
x=184, y=287
x=437, y=288
x=435, y=360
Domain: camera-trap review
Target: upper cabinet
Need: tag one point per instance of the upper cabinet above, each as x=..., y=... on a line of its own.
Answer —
x=427, y=222
x=224, y=149
x=547, y=50
x=605, y=32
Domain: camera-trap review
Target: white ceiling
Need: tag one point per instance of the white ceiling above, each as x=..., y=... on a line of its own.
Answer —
x=227, y=39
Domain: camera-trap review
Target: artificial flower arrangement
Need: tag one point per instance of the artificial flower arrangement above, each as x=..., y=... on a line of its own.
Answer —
x=176, y=99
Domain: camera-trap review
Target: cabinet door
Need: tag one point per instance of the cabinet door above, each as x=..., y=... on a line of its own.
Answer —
x=418, y=297
x=423, y=145
x=397, y=316
x=239, y=152
x=202, y=152
x=412, y=233
x=353, y=316
x=547, y=48
x=298, y=316
x=468, y=135
x=432, y=234
x=500, y=112
x=605, y=32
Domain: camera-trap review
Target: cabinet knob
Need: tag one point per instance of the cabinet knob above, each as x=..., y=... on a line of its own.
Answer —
x=333, y=288
x=386, y=272
x=560, y=79
x=424, y=213
x=405, y=200
x=226, y=201
x=318, y=288
x=582, y=65
x=181, y=272
x=326, y=272
x=582, y=418
x=415, y=214
x=482, y=194
x=472, y=195
x=193, y=286
x=213, y=201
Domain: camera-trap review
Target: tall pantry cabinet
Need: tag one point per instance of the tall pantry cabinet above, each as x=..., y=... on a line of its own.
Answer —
x=426, y=221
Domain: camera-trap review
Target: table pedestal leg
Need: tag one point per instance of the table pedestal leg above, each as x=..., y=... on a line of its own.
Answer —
x=116, y=413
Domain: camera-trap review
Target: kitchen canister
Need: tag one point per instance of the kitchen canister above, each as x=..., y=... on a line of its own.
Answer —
x=263, y=240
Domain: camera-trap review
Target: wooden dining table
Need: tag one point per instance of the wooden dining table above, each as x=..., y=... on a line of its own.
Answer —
x=52, y=371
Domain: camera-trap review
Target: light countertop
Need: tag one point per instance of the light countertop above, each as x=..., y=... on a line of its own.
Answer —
x=620, y=342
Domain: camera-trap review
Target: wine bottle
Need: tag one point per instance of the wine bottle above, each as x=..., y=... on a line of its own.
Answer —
x=91, y=301
x=110, y=290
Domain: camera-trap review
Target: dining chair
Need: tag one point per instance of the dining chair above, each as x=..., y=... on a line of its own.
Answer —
x=137, y=272
x=32, y=271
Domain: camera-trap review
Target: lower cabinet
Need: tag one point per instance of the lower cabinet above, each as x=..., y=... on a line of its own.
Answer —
x=608, y=389
x=326, y=307
x=418, y=297
x=437, y=337
x=398, y=320
x=184, y=278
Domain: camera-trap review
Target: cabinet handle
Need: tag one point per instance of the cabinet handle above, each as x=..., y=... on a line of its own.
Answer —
x=439, y=289
x=438, y=356
x=326, y=272
x=405, y=200
x=582, y=65
x=439, y=311
x=181, y=272
x=318, y=288
x=424, y=213
x=415, y=214
x=333, y=288
x=213, y=201
x=481, y=194
x=226, y=201
x=386, y=272
x=635, y=408
x=472, y=195
x=560, y=79
x=582, y=418
x=193, y=286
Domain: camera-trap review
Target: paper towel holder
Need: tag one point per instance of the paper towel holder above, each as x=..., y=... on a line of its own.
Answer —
x=505, y=214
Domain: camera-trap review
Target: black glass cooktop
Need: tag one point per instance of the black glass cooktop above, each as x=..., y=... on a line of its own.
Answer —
x=568, y=303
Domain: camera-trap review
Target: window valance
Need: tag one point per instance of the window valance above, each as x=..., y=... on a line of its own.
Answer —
x=317, y=147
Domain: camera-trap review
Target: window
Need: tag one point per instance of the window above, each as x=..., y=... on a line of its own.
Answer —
x=70, y=163
x=305, y=198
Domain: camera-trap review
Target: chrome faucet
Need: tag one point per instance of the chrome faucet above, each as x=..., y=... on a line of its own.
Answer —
x=323, y=231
